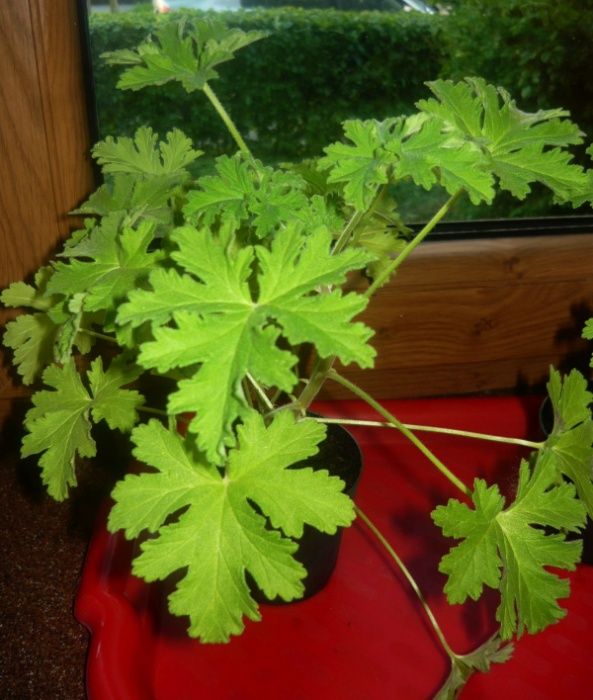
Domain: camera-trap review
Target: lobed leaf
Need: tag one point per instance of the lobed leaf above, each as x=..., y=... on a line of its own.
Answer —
x=59, y=425
x=119, y=261
x=225, y=329
x=144, y=156
x=182, y=51
x=219, y=535
x=519, y=148
x=508, y=550
x=570, y=443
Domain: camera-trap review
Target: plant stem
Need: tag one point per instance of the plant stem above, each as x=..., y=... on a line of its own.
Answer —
x=357, y=391
x=226, y=118
x=354, y=222
x=411, y=580
x=436, y=429
x=319, y=374
x=101, y=336
x=321, y=368
x=153, y=411
x=260, y=392
x=418, y=238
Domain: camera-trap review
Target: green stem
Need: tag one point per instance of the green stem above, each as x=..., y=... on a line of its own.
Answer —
x=321, y=368
x=172, y=418
x=319, y=374
x=354, y=222
x=413, y=244
x=226, y=118
x=357, y=391
x=344, y=237
x=153, y=411
x=435, y=429
x=101, y=336
x=411, y=580
x=260, y=392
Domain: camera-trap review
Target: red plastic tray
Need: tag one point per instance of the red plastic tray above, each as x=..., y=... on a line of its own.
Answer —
x=364, y=637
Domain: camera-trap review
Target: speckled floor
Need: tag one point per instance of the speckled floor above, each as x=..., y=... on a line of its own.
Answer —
x=42, y=548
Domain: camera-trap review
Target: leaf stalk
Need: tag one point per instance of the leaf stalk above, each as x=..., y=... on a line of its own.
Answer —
x=436, y=429
x=413, y=244
x=390, y=418
x=410, y=579
x=226, y=118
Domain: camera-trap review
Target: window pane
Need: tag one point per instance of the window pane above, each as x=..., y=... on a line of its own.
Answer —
x=331, y=60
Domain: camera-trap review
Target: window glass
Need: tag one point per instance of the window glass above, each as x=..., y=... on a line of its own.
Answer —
x=330, y=60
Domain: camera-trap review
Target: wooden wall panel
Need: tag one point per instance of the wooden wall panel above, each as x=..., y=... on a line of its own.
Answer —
x=44, y=137
x=481, y=315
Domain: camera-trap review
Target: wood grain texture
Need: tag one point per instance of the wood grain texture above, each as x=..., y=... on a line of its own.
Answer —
x=44, y=137
x=482, y=315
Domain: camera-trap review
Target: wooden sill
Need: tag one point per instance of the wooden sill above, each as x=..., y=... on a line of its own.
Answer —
x=480, y=316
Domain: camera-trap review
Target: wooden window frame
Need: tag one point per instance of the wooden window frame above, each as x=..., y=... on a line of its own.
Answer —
x=461, y=316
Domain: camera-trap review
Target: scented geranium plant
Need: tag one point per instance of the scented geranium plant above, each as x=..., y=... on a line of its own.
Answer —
x=217, y=285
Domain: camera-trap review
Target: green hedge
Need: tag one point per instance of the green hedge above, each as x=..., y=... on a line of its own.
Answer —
x=356, y=5
x=541, y=51
x=288, y=93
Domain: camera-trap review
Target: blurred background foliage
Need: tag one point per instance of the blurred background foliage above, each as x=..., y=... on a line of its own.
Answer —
x=289, y=93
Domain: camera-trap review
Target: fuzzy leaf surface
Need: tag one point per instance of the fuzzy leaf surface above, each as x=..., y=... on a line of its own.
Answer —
x=119, y=261
x=59, y=422
x=571, y=440
x=230, y=330
x=144, y=155
x=506, y=549
x=219, y=536
x=182, y=51
x=428, y=155
x=39, y=338
x=465, y=665
x=361, y=164
x=264, y=197
x=519, y=148
x=133, y=198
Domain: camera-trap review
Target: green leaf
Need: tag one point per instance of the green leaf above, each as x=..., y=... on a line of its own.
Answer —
x=225, y=327
x=571, y=440
x=429, y=155
x=32, y=337
x=225, y=193
x=20, y=294
x=144, y=156
x=182, y=51
x=463, y=666
x=515, y=144
x=361, y=164
x=507, y=549
x=588, y=334
x=570, y=400
x=120, y=261
x=132, y=199
x=220, y=535
x=267, y=198
x=59, y=423
x=40, y=338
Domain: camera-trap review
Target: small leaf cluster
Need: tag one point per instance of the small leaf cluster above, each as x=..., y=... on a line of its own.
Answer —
x=219, y=286
x=510, y=547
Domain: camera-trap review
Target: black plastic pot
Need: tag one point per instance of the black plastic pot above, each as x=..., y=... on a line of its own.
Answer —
x=340, y=455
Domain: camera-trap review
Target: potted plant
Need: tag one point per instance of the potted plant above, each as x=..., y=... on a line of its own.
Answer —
x=219, y=285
